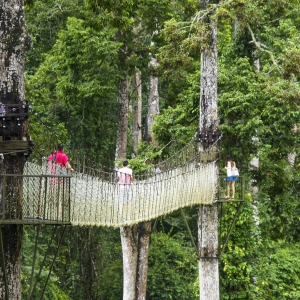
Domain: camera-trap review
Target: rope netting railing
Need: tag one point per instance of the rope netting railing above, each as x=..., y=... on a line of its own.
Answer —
x=189, y=153
x=41, y=197
x=45, y=198
x=113, y=204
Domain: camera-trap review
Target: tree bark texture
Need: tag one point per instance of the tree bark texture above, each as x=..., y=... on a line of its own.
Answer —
x=121, y=143
x=145, y=227
x=144, y=234
x=14, y=42
x=153, y=102
x=208, y=240
x=208, y=85
x=128, y=233
x=208, y=214
x=137, y=111
x=129, y=249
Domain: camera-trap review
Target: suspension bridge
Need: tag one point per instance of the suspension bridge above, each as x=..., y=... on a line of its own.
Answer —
x=91, y=196
x=95, y=198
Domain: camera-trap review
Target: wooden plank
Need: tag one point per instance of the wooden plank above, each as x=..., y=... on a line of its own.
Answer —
x=11, y=110
x=14, y=145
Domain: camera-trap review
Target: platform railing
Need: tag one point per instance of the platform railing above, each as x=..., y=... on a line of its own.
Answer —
x=34, y=199
x=239, y=189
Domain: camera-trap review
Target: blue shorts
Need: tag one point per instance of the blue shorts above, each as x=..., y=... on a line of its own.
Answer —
x=232, y=178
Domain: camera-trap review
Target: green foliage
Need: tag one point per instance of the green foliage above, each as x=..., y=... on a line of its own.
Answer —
x=88, y=266
x=279, y=207
x=75, y=86
x=238, y=98
x=177, y=56
x=178, y=123
x=261, y=103
x=148, y=155
x=279, y=276
x=53, y=291
x=45, y=18
x=28, y=3
x=91, y=265
x=238, y=258
x=119, y=12
x=155, y=13
x=175, y=225
x=172, y=271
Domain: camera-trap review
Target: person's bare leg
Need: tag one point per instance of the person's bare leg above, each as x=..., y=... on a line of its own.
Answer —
x=228, y=190
x=233, y=189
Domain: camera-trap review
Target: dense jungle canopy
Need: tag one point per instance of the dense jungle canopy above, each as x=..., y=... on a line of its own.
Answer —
x=80, y=50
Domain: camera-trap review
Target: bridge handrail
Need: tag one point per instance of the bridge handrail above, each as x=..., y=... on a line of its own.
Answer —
x=35, y=198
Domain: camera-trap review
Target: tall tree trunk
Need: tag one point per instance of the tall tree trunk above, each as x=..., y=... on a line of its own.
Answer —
x=137, y=112
x=128, y=233
x=129, y=249
x=208, y=264
x=292, y=155
x=14, y=43
x=144, y=228
x=144, y=234
x=208, y=214
x=254, y=164
x=122, y=134
x=153, y=101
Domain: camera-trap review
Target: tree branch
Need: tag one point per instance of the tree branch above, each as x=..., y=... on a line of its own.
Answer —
x=262, y=48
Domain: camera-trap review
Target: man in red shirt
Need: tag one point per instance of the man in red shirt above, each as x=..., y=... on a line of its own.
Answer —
x=58, y=163
x=61, y=158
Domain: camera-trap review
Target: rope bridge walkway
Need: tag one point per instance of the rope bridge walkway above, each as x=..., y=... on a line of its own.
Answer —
x=93, y=197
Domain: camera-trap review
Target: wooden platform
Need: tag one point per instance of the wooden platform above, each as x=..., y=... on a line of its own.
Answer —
x=230, y=200
x=34, y=221
x=239, y=190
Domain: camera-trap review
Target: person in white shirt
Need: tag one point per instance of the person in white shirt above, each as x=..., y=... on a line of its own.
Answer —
x=125, y=179
x=230, y=178
x=125, y=174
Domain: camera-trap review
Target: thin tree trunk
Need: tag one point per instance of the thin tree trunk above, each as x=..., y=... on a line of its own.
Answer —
x=144, y=234
x=153, y=101
x=208, y=214
x=14, y=42
x=144, y=228
x=292, y=156
x=128, y=233
x=137, y=112
x=129, y=249
x=254, y=164
x=122, y=134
